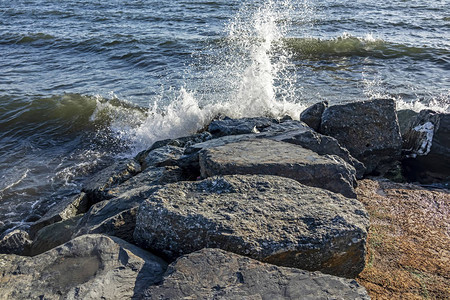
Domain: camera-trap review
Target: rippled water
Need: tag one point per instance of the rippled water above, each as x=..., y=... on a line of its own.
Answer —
x=83, y=82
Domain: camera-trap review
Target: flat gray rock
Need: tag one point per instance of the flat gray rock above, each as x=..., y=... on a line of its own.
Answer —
x=285, y=125
x=150, y=176
x=238, y=126
x=268, y=157
x=289, y=131
x=319, y=143
x=368, y=129
x=268, y=218
x=89, y=267
x=216, y=274
x=181, y=142
x=217, y=142
x=53, y=235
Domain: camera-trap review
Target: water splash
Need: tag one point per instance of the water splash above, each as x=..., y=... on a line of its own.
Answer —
x=439, y=103
x=253, y=76
x=15, y=182
x=181, y=117
x=265, y=81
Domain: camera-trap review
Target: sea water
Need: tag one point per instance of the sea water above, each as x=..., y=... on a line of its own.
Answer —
x=83, y=83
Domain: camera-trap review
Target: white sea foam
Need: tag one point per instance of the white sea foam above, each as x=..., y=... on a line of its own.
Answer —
x=440, y=103
x=16, y=182
x=374, y=89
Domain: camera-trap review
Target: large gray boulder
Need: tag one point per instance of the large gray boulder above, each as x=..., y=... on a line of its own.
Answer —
x=268, y=218
x=427, y=147
x=368, y=129
x=89, y=267
x=292, y=132
x=270, y=157
x=216, y=274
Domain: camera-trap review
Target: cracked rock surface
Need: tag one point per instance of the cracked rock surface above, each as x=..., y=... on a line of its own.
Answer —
x=268, y=157
x=216, y=274
x=269, y=218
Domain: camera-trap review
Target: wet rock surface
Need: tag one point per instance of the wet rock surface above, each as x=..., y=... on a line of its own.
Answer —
x=15, y=242
x=313, y=115
x=64, y=210
x=269, y=157
x=269, y=218
x=426, y=147
x=368, y=129
x=100, y=267
x=216, y=274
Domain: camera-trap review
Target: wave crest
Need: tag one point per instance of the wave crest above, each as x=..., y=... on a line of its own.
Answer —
x=348, y=45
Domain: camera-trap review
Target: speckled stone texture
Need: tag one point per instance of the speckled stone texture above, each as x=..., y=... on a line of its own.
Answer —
x=368, y=129
x=268, y=218
x=216, y=274
x=268, y=157
x=89, y=267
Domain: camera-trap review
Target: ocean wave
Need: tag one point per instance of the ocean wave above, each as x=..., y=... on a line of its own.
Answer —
x=51, y=144
x=29, y=38
x=62, y=115
x=92, y=44
x=348, y=46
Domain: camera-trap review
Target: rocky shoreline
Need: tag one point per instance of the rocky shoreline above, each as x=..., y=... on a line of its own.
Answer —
x=251, y=208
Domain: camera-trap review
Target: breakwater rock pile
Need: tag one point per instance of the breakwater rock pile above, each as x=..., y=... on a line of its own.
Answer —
x=249, y=208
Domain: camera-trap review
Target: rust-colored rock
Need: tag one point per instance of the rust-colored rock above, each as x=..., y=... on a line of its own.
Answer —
x=409, y=244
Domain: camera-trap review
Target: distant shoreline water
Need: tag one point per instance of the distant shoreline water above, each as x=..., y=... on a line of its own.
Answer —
x=83, y=82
